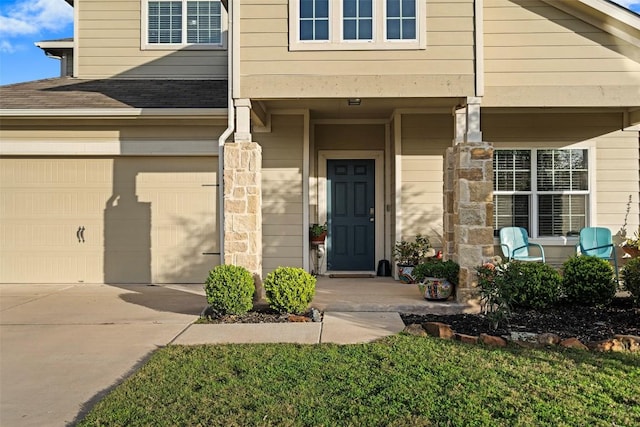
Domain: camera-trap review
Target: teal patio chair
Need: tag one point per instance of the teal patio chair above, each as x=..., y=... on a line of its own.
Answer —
x=514, y=242
x=598, y=242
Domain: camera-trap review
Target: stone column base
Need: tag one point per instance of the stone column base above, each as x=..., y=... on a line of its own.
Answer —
x=243, y=207
x=468, y=211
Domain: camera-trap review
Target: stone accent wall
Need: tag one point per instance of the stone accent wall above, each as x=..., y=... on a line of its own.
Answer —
x=468, y=211
x=243, y=206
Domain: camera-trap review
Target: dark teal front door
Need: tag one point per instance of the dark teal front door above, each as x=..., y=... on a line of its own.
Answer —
x=350, y=215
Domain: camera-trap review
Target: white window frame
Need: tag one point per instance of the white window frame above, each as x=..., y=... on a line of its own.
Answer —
x=379, y=31
x=533, y=193
x=144, y=30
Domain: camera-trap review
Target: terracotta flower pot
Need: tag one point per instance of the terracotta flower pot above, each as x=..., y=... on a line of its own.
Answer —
x=318, y=240
x=634, y=252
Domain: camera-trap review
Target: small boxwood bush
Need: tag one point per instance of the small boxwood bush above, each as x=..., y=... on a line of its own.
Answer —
x=631, y=275
x=442, y=269
x=289, y=289
x=588, y=280
x=230, y=289
x=530, y=284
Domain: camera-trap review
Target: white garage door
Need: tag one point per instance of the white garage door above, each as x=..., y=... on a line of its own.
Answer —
x=108, y=220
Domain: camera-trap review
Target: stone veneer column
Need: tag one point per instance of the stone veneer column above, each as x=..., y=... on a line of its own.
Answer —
x=243, y=206
x=468, y=211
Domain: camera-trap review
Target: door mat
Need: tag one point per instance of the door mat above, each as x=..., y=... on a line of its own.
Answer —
x=352, y=276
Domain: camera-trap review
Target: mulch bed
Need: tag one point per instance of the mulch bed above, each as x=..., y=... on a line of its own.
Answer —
x=585, y=323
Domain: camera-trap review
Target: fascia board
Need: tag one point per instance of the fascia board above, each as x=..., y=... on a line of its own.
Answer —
x=45, y=44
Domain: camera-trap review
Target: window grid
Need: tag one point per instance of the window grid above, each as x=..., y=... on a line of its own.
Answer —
x=401, y=19
x=184, y=22
x=357, y=23
x=203, y=22
x=165, y=22
x=314, y=20
x=550, y=199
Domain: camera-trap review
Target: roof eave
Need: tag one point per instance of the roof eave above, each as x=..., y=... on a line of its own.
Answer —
x=116, y=112
x=628, y=22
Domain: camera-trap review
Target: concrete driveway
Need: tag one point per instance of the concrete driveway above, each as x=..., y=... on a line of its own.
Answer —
x=62, y=347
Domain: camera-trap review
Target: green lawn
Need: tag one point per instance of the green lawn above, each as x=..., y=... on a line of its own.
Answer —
x=399, y=381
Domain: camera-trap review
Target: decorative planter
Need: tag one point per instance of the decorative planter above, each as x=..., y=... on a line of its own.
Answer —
x=634, y=252
x=318, y=240
x=435, y=288
x=405, y=274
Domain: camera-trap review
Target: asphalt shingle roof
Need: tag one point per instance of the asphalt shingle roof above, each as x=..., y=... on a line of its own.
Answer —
x=70, y=93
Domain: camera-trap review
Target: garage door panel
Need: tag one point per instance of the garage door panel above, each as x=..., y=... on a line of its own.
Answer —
x=145, y=220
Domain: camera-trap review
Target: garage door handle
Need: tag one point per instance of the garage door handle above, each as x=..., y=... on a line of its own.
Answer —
x=80, y=234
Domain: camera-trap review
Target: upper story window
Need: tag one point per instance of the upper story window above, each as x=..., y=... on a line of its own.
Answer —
x=182, y=23
x=545, y=191
x=356, y=24
x=314, y=19
x=357, y=19
x=401, y=20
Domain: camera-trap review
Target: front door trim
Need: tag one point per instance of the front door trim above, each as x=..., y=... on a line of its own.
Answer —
x=378, y=157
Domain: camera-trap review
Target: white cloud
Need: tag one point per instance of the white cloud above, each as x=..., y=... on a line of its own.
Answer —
x=33, y=16
x=627, y=3
x=6, y=47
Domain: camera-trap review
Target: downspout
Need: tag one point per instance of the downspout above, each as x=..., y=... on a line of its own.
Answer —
x=229, y=130
x=479, y=47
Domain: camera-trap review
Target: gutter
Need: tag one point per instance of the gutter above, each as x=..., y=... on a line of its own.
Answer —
x=229, y=130
x=479, y=47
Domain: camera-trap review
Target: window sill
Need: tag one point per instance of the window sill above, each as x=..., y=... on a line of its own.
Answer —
x=355, y=46
x=570, y=241
x=175, y=47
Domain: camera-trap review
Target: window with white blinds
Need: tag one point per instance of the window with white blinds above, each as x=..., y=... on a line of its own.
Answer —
x=184, y=22
x=545, y=191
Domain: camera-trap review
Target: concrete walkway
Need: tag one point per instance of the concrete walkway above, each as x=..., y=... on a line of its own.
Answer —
x=63, y=347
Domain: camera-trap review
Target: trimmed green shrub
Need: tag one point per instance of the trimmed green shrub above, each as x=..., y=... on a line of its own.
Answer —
x=441, y=269
x=631, y=275
x=289, y=289
x=529, y=284
x=588, y=280
x=230, y=289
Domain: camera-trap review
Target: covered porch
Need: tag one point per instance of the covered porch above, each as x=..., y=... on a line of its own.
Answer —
x=381, y=294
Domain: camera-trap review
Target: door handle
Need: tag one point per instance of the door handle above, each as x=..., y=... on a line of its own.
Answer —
x=80, y=234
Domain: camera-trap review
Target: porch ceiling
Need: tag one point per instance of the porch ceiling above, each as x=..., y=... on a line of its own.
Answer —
x=369, y=108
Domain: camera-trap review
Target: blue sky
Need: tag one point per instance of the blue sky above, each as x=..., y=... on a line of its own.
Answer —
x=23, y=22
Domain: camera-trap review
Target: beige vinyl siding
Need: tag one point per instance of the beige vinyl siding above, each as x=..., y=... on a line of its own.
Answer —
x=391, y=239
x=282, y=192
x=425, y=138
x=615, y=168
x=365, y=137
x=536, y=55
x=109, y=37
x=139, y=137
x=618, y=177
x=269, y=69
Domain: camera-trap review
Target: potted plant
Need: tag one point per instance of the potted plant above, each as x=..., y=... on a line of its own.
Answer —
x=631, y=245
x=317, y=233
x=437, y=279
x=408, y=254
